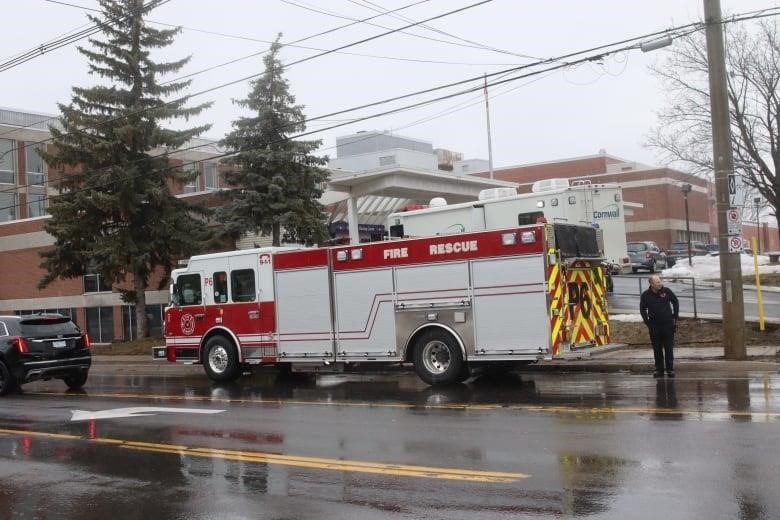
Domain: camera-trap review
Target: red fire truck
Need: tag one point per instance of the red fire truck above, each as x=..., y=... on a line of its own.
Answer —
x=445, y=304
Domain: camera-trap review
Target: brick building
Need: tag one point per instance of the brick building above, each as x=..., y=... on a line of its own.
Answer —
x=25, y=185
x=655, y=208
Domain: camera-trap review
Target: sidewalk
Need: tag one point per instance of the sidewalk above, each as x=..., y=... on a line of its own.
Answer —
x=618, y=357
x=612, y=358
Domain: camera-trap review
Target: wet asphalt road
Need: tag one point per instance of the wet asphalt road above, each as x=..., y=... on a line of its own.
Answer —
x=386, y=446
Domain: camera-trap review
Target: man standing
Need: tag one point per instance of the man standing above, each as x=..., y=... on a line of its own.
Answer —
x=660, y=309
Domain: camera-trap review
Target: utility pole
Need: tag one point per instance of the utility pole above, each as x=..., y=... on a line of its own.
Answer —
x=733, y=303
x=490, y=145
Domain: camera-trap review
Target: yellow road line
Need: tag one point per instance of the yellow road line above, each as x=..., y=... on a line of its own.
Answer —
x=455, y=406
x=401, y=470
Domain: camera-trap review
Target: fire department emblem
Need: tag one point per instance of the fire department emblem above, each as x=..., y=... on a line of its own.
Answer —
x=187, y=324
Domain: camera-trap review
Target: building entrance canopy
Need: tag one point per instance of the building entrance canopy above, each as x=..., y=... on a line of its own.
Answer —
x=370, y=197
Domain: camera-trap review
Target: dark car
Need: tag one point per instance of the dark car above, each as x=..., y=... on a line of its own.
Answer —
x=679, y=250
x=42, y=346
x=646, y=255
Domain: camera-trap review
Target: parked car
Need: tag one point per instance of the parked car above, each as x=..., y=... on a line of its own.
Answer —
x=713, y=249
x=646, y=255
x=679, y=250
x=42, y=346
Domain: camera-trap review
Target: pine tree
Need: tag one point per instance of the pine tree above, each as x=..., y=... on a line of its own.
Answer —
x=276, y=182
x=115, y=212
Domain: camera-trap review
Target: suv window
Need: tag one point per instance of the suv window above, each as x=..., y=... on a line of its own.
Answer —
x=634, y=247
x=41, y=326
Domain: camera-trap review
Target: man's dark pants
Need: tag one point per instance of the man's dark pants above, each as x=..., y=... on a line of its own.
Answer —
x=662, y=338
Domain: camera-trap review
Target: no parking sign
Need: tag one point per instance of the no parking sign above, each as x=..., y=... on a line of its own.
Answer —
x=735, y=244
x=734, y=223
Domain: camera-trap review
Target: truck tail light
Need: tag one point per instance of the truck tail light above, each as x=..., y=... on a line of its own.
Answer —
x=21, y=344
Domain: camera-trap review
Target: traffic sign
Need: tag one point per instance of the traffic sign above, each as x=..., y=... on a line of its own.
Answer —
x=733, y=188
x=735, y=244
x=734, y=222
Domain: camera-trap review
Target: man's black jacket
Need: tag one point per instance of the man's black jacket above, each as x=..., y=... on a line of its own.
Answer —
x=659, y=307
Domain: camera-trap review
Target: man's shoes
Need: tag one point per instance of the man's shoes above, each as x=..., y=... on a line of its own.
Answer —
x=670, y=373
x=657, y=374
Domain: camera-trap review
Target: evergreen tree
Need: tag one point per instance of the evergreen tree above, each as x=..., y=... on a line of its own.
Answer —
x=276, y=182
x=115, y=212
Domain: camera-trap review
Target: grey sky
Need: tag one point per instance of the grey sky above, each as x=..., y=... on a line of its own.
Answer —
x=572, y=112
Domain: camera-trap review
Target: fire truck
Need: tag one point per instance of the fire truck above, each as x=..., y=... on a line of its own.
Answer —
x=444, y=304
x=555, y=200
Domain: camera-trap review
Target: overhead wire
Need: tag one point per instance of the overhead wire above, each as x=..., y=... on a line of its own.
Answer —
x=690, y=28
x=286, y=65
x=229, y=62
x=377, y=8
x=354, y=120
x=469, y=45
x=47, y=47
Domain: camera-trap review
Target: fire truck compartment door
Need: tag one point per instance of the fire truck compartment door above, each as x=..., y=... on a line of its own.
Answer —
x=510, y=305
x=303, y=314
x=365, y=315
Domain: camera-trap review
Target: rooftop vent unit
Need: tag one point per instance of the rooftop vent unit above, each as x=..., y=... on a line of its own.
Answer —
x=496, y=193
x=549, y=184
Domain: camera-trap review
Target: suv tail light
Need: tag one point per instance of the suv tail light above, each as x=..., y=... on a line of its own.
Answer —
x=85, y=341
x=648, y=254
x=21, y=344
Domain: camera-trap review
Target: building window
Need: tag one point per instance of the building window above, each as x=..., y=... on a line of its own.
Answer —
x=36, y=167
x=7, y=206
x=154, y=319
x=94, y=282
x=210, y=175
x=100, y=324
x=36, y=205
x=7, y=161
x=191, y=184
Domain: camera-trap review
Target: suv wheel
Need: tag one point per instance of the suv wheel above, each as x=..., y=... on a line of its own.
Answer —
x=6, y=379
x=76, y=381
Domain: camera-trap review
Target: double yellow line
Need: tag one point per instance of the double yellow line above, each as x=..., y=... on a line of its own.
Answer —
x=400, y=470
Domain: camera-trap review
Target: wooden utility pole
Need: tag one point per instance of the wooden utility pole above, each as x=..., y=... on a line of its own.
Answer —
x=730, y=266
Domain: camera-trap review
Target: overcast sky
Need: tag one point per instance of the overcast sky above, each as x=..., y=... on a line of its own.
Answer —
x=571, y=112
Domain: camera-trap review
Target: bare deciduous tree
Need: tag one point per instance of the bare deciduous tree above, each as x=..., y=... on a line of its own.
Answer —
x=684, y=131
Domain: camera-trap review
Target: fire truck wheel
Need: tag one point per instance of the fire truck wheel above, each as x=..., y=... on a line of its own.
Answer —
x=438, y=359
x=221, y=360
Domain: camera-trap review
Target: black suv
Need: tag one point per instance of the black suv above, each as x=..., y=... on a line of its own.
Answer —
x=42, y=346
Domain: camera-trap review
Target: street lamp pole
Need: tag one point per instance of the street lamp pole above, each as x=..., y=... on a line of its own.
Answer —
x=757, y=201
x=686, y=189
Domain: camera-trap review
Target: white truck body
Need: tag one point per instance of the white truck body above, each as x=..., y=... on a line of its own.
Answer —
x=589, y=204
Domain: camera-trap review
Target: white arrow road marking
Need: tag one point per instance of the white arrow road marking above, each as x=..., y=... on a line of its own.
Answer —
x=138, y=411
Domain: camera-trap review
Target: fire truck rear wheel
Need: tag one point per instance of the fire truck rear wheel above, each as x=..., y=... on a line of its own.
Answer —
x=438, y=359
x=221, y=359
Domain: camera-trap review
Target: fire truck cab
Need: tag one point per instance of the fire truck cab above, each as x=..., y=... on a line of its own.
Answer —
x=445, y=304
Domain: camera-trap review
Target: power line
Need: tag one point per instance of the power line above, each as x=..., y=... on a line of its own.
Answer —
x=47, y=47
x=470, y=44
x=677, y=32
x=412, y=106
x=291, y=44
x=377, y=8
x=240, y=80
